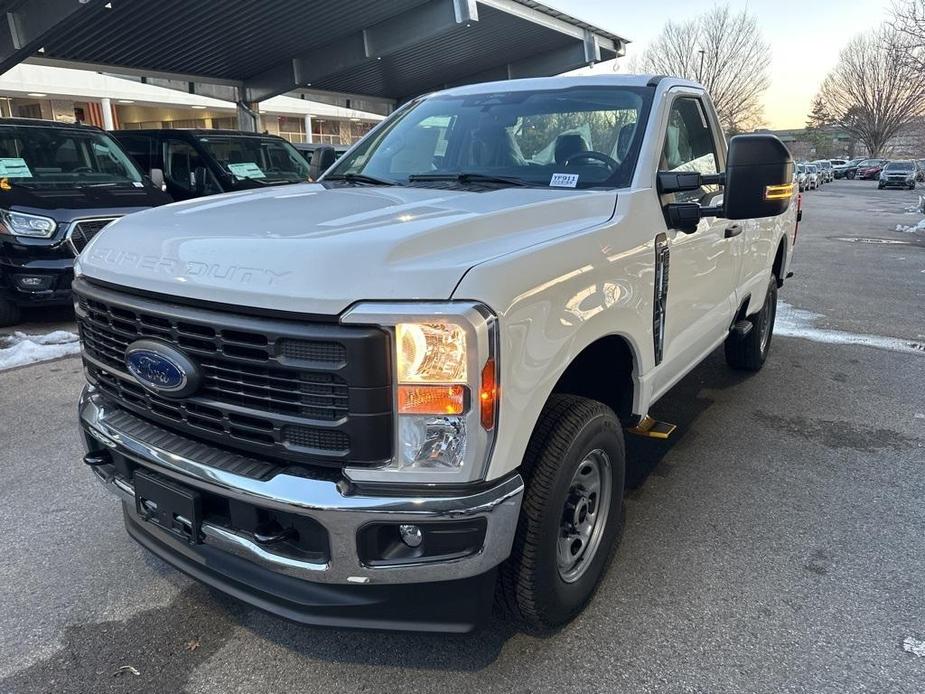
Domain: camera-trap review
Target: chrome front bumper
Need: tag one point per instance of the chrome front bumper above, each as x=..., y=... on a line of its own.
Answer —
x=332, y=504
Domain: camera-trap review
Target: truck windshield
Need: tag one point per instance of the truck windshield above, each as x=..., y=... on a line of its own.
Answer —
x=574, y=138
x=262, y=160
x=38, y=156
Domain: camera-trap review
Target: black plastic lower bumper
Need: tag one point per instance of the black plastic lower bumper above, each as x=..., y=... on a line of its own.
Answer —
x=42, y=282
x=449, y=606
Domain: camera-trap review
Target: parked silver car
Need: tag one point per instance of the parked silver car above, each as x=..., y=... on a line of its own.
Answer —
x=825, y=170
x=813, y=176
x=800, y=176
x=901, y=174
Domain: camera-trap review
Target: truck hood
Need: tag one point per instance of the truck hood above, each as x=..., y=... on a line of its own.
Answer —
x=311, y=249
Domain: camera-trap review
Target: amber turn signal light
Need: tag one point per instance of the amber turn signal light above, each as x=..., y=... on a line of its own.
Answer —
x=488, y=395
x=431, y=399
x=781, y=192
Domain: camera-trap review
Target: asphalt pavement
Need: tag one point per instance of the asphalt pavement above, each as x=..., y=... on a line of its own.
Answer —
x=775, y=544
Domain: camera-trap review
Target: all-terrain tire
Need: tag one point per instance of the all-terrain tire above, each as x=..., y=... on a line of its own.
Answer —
x=532, y=588
x=10, y=313
x=749, y=353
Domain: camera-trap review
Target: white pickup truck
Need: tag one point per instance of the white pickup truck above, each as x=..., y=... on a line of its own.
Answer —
x=381, y=399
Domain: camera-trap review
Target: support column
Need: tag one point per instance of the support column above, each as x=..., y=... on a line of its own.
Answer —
x=248, y=115
x=308, y=128
x=106, y=108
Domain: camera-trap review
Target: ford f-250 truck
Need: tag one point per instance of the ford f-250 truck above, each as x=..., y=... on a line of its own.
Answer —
x=381, y=399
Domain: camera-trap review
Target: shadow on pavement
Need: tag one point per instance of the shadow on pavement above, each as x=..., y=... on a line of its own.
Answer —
x=682, y=406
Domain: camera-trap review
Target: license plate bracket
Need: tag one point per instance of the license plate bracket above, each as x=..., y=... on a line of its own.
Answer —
x=172, y=507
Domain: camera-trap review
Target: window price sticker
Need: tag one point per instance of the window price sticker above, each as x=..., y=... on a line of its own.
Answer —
x=246, y=170
x=563, y=180
x=14, y=167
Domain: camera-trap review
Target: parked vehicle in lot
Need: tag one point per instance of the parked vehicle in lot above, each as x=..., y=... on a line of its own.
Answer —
x=870, y=169
x=59, y=185
x=898, y=174
x=920, y=170
x=307, y=149
x=801, y=177
x=193, y=163
x=825, y=170
x=842, y=170
x=376, y=400
x=851, y=170
x=813, y=177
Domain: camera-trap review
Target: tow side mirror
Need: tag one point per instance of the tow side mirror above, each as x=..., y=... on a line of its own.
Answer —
x=759, y=177
x=157, y=178
x=322, y=159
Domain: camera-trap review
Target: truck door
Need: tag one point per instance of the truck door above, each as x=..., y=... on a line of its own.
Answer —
x=703, y=266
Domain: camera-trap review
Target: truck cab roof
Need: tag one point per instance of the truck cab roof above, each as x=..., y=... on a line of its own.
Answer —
x=566, y=81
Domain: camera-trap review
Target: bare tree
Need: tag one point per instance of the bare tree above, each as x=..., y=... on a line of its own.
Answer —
x=875, y=92
x=909, y=21
x=726, y=53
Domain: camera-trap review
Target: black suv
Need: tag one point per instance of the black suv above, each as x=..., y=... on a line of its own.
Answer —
x=60, y=184
x=193, y=163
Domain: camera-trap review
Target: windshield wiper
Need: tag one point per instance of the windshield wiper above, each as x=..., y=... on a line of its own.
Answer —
x=359, y=178
x=464, y=177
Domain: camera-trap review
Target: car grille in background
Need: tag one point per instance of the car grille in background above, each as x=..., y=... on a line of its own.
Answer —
x=303, y=392
x=82, y=231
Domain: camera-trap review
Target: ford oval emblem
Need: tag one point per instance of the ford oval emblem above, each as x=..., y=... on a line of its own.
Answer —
x=161, y=368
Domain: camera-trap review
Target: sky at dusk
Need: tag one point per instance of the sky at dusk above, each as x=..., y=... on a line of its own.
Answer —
x=805, y=37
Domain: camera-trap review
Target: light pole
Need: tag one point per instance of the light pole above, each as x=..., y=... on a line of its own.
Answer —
x=700, y=70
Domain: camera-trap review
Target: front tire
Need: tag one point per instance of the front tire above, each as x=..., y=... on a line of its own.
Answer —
x=10, y=314
x=749, y=353
x=571, y=519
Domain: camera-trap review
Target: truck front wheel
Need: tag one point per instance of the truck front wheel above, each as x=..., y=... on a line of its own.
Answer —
x=571, y=519
x=749, y=353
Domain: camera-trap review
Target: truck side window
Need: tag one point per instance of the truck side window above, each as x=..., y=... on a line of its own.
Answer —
x=141, y=149
x=181, y=161
x=689, y=146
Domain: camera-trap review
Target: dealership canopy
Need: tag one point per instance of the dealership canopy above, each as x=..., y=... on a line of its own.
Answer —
x=390, y=49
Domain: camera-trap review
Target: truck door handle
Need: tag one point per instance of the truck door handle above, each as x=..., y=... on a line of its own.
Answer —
x=733, y=230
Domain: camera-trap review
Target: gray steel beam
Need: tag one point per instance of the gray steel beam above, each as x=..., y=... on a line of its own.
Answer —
x=387, y=37
x=28, y=25
x=554, y=62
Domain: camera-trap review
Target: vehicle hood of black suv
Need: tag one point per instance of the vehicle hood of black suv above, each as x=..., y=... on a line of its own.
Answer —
x=65, y=202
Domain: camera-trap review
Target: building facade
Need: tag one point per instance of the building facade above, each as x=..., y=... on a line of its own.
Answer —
x=116, y=102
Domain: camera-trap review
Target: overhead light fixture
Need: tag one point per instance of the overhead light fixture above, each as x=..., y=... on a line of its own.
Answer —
x=125, y=101
x=37, y=94
x=198, y=108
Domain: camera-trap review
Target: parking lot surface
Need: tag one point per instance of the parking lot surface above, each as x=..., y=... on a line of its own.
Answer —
x=775, y=544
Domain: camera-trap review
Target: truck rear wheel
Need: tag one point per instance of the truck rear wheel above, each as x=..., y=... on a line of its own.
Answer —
x=9, y=313
x=571, y=519
x=749, y=353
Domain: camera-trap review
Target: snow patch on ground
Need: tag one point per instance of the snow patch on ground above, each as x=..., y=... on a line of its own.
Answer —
x=20, y=349
x=914, y=646
x=797, y=322
x=918, y=207
x=907, y=229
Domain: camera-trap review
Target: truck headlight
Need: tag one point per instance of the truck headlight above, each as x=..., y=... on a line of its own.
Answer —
x=22, y=224
x=445, y=390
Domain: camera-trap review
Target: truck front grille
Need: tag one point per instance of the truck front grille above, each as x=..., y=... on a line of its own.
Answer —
x=84, y=230
x=303, y=392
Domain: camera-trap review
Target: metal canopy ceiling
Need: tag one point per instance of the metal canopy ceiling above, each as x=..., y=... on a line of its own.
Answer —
x=383, y=48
